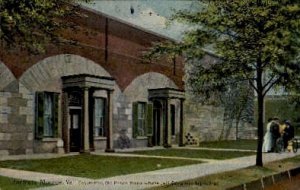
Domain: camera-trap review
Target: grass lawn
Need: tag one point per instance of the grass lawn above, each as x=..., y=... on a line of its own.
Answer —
x=193, y=153
x=231, y=144
x=225, y=180
x=94, y=166
x=13, y=184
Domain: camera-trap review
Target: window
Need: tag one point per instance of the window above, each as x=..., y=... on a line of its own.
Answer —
x=141, y=119
x=46, y=114
x=99, y=117
x=142, y=116
x=173, y=120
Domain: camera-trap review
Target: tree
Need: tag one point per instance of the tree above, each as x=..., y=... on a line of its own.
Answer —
x=237, y=101
x=255, y=41
x=29, y=24
x=236, y=98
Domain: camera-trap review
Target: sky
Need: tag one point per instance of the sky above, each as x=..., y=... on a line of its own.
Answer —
x=149, y=14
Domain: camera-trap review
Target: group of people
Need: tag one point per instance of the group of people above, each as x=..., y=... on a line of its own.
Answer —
x=275, y=129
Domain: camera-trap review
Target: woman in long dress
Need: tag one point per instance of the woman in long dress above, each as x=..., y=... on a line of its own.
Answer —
x=268, y=139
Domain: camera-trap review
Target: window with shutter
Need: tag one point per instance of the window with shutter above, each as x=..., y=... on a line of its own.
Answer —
x=55, y=114
x=39, y=124
x=46, y=114
x=149, y=119
x=173, y=132
x=135, y=119
x=99, y=117
x=139, y=117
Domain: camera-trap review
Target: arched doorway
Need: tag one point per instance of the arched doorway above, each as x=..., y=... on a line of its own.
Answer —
x=157, y=123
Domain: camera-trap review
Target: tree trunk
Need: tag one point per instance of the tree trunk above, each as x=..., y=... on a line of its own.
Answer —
x=260, y=109
x=260, y=130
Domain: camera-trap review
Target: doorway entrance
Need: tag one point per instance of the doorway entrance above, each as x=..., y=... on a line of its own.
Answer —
x=79, y=93
x=157, y=122
x=165, y=124
x=75, y=129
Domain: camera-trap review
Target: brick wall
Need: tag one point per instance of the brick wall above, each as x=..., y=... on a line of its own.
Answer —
x=124, y=47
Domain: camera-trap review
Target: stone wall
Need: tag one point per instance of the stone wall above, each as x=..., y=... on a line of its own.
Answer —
x=16, y=121
x=213, y=118
x=206, y=123
x=136, y=91
x=117, y=57
x=17, y=107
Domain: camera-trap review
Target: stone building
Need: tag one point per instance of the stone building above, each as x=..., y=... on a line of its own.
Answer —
x=95, y=94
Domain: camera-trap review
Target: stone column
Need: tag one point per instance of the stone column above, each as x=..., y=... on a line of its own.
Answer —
x=181, y=124
x=167, y=122
x=109, y=126
x=65, y=122
x=85, y=148
x=169, y=138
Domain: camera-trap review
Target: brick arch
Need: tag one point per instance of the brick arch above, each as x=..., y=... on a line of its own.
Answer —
x=137, y=90
x=6, y=76
x=46, y=74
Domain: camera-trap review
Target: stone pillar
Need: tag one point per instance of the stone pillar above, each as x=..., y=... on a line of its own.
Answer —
x=167, y=122
x=181, y=124
x=169, y=138
x=109, y=126
x=65, y=122
x=85, y=148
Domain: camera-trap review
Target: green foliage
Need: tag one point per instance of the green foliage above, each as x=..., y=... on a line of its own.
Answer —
x=254, y=41
x=248, y=36
x=30, y=24
x=282, y=108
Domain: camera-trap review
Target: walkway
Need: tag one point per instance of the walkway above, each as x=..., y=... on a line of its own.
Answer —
x=142, y=180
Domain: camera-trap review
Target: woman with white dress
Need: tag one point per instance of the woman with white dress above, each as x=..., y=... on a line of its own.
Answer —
x=268, y=138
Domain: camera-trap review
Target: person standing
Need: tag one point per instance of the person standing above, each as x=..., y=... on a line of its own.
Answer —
x=275, y=130
x=268, y=138
x=288, y=133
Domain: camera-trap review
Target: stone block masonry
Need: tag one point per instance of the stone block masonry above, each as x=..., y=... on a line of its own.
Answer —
x=206, y=123
x=16, y=122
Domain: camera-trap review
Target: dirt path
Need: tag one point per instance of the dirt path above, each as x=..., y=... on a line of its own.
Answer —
x=293, y=184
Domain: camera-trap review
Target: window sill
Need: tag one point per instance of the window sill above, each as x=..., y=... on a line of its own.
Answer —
x=142, y=138
x=99, y=138
x=49, y=139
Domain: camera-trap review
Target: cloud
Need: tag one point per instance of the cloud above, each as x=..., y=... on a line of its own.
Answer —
x=146, y=14
x=148, y=18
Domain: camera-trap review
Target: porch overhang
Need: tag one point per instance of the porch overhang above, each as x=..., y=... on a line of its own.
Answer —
x=170, y=93
x=88, y=81
x=87, y=85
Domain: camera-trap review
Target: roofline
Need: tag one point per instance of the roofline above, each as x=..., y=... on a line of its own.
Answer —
x=126, y=23
x=87, y=75
x=166, y=88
